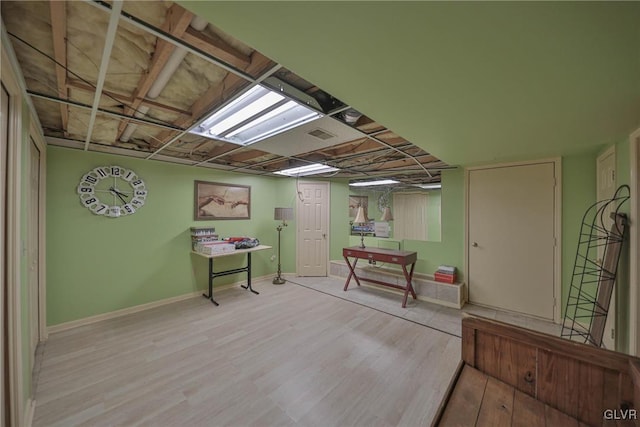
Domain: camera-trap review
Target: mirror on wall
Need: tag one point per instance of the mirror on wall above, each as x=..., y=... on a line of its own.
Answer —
x=399, y=214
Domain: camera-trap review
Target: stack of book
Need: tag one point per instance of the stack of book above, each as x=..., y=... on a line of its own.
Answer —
x=201, y=235
x=212, y=248
x=445, y=274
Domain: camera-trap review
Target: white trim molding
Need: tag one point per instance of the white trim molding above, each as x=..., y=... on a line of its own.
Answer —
x=9, y=77
x=36, y=134
x=634, y=246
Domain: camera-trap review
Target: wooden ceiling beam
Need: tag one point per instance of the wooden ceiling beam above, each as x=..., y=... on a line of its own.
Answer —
x=58, y=10
x=124, y=99
x=351, y=147
x=216, y=47
x=176, y=23
x=401, y=163
x=247, y=155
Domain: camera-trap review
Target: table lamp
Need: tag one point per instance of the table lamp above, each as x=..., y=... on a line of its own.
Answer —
x=386, y=214
x=284, y=215
x=361, y=219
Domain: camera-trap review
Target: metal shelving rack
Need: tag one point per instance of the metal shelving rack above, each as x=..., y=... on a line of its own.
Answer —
x=602, y=235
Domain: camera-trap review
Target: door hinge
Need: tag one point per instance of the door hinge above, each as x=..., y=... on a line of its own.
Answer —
x=613, y=175
x=613, y=334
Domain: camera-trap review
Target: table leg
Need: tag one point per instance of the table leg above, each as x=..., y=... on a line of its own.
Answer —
x=409, y=287
x=352, y=272
x=210, y=296
x=249, y=275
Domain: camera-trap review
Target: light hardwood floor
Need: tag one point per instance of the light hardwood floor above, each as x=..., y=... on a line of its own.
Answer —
x=444, y=319
x=289, y=356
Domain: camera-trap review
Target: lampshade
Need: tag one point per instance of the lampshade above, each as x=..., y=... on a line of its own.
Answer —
x=283, y=214
x=360, y=216
x=386, y=214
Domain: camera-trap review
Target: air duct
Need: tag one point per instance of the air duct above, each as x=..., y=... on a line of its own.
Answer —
x=351, y=116
x=131, y=127
x=174, y=61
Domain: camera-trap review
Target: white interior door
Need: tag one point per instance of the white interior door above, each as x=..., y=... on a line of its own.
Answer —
x=605, y=189
x=33, y=248
x=4, y=138
x=511, y=216
x=313, y=228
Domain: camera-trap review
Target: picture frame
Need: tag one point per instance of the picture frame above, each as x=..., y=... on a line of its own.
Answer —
x=217, y=201
x=355, y=201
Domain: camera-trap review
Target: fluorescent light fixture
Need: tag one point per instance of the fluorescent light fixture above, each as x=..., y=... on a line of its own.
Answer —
x=378, y=182
x=255, y=115
x=430, y=186
x=312, y=169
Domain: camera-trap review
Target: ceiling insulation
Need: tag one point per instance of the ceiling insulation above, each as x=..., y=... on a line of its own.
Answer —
x=211, y=68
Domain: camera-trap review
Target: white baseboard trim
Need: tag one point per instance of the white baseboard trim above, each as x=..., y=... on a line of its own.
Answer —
x=29, y=412
x=409, y=298
x=142, y=307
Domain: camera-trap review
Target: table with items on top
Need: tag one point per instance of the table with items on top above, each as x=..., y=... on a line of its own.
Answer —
x=402, y=258
x=247, y=268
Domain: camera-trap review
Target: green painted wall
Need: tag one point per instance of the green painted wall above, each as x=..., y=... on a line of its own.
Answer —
x=97, y=265
x=566, y=72
x=340, y=229
x=434, y=202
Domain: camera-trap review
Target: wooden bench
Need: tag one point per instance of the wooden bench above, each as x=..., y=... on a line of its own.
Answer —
x=511, y=376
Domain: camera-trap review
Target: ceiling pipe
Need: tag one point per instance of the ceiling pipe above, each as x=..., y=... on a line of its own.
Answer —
x=172, y=64
x=109, y=38
x=131, y=127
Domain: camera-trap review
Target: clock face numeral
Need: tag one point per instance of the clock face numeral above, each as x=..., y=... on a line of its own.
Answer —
x=90, y=201
x=137, y=202
x=89, y=179
x=83, y=189
x=100, y=209
x=128, y=175
x=100, y=172
x=121, y=188
x=129, y=209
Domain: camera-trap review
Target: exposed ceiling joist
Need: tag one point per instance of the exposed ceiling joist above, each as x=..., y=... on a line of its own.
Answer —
x=216, y=47
x=195, y=91
x=124, y=99
x=176, y=22
x=58, y=11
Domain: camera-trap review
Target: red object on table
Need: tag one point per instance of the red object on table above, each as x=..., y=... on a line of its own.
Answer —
x=402, y=258
x=444, y=278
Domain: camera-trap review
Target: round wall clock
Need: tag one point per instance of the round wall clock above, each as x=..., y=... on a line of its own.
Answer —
x=112, y=191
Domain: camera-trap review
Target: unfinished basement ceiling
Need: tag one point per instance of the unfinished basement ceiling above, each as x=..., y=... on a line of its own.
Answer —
x=133, y=78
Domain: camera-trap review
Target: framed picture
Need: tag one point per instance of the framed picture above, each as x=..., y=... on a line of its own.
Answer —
x=213, y=200
x=355, y=202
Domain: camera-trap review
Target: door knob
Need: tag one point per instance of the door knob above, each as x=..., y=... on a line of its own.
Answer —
x=474, y=244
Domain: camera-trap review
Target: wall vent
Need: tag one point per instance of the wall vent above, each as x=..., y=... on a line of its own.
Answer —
x=321, y=134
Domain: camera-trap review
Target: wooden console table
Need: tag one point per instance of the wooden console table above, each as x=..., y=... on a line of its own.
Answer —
x=247, y=268
x=402, y=258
